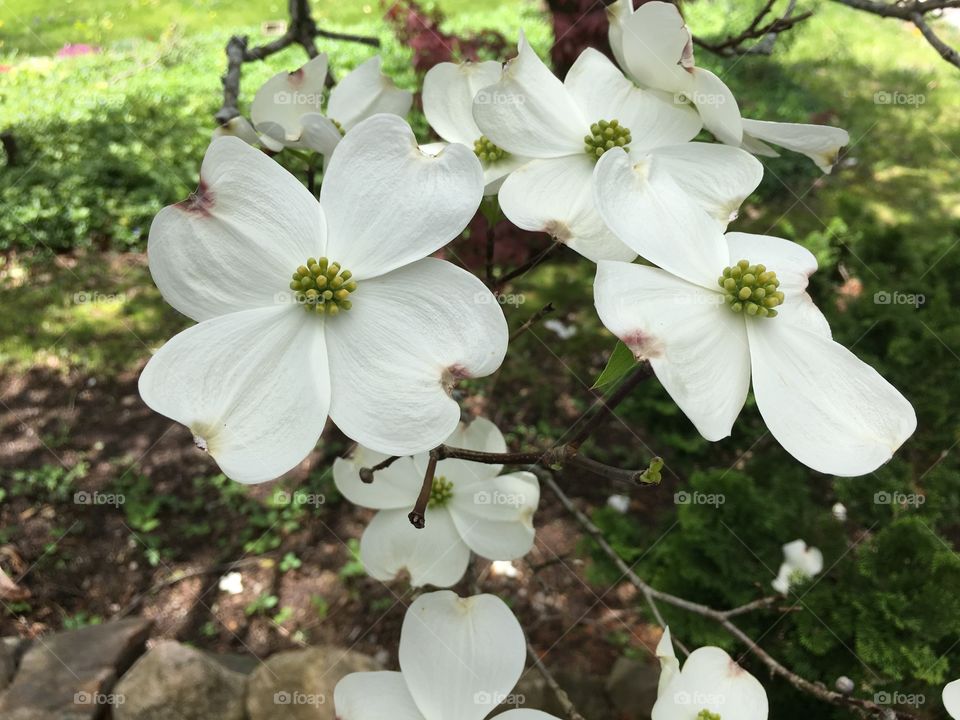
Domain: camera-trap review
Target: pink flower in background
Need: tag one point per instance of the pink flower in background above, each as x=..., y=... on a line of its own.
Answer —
x=73, y=50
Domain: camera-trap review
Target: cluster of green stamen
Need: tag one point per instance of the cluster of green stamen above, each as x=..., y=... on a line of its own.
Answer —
x=606, y=135
x=751, y=289
x=707, y=715
x=441, y=492
x=322, y=287
x=487, y=151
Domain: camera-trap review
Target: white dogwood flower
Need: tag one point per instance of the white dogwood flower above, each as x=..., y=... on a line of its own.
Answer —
x=472, y=507
x=721, y=309
x=654, y=47
x=287, y=110
x=449, y=90
x=459, y=659
x=800, y=564
x=951, y=699
x=711, y=686
x=369, y=330
x=566, y=126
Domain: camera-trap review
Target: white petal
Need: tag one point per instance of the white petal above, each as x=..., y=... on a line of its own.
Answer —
x=820, y=143
x=234, y=244
x=794, y=551
x=782, y=582
x=603, y=93
x=460, y=656
x=239, y=127
x=396, y=353
x=432, y=555
x=655, y=41
x=388, y=204
x=794, y=265
x=643, y=205
x=395, y=486
x=495, y=174
x=252, y=386
x=284, y=98
x=719, y=177
x=555, y=196
x=951, y=699
x=831, y=411
x=717, y=107
x=617, y=14
x=495, y=516
x=320, y=134
x=754, y=146
x=711, y=680
x=364, y=92
x=695, y=344
x=479, y=434
x=448, y=93
x=374, y=696
x=529, y=112
x=669, y=665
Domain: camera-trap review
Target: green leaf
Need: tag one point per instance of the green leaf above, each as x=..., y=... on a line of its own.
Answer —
x=620, y=363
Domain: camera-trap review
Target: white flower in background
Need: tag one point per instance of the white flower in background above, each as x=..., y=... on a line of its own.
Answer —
x=231, y=583
x=800, y=564
x=504, y=568
x=839, y=512
x=721, y=309
x=560, y=329
x=287, y=111
x=472, y=507
x=951, y=699
x=370, y=331
x=710, y=686
x=459, y=659
x=620, y=503
x=654, y=47
x=448, y=94
x=567, y=125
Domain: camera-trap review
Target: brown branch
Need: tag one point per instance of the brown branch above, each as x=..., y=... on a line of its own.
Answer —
x=734, y=44
x=721, y=617
x=532, y=320
x=559, y=692
x=604, y=406
x=525, y=268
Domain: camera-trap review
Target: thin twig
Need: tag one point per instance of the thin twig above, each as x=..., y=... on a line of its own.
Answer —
x=526, y=267
x=734, y=44
x=532, y=320
x=604, y=406
x=559, y=692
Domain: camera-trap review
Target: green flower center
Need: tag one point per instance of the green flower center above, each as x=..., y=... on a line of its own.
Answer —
x=487, y=151
x=441, y=492
x=751, y=289
x=322, y=287
x=606, y=135
x=707, y=715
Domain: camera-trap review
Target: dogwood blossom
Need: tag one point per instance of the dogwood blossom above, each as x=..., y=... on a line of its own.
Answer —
x=951, y=699
x=800, y=563
x=449, y=90
x=654, y=47
x=472, y=507
x=710, y=686
x=566, y=126
x=369, y=331
x=459, y=659
x=721, y=309
x=287, y=110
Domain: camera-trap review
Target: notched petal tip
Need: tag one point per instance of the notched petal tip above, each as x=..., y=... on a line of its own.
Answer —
x=642, y=345
x=199, y=202
x=559, y=231
x=452, y=375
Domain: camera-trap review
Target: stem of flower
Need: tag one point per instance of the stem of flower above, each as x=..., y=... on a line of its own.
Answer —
x=366, y=473
x=418, y=516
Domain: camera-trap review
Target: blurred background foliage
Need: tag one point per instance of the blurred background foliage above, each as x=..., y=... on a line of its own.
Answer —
x=106, y=139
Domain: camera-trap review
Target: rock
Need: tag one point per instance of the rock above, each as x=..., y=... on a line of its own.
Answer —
x=632, y=687
x=8, y=660
x=70, y=676
x=302, y=682
x=177, y=682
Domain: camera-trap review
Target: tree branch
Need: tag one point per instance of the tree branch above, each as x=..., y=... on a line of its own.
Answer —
x=734, y=44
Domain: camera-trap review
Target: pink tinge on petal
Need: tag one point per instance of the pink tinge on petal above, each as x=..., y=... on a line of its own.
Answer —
x=642, y=345
x=452, y=375
x=296, y=77
x=687, y=61
x=199, y=202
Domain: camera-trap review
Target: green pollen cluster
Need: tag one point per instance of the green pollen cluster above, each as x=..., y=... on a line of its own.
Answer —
x=441, y=492
x=751, y=289
x=322, y=287
x=487, y=151
x=707, y=715
x=606, y=135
